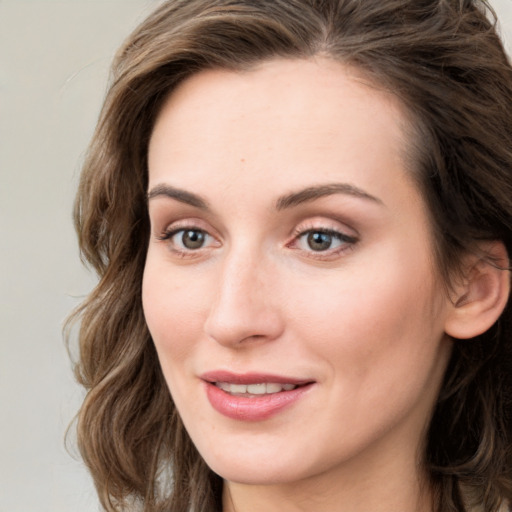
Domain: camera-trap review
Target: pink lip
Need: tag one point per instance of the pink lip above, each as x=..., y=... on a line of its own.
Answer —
x=250, y=378
x=255, y=408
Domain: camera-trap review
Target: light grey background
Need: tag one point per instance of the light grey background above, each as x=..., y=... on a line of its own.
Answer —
x=54, y=58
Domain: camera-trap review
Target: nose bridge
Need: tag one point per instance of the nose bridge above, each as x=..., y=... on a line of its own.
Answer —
x=243, y=307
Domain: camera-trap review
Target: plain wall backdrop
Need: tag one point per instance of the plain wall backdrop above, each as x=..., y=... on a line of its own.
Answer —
x=54, y=60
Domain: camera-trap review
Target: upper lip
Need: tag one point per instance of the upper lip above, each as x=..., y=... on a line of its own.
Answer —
x=250, y=378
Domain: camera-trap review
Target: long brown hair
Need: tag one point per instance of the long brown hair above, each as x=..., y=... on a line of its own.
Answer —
x=445, y=62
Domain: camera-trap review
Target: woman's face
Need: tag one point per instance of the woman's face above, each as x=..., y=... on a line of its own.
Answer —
x=289, y=287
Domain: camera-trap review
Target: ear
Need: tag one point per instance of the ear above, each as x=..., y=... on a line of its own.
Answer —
x=482, y=295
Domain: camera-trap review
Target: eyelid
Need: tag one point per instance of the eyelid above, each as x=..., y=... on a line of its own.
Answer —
x=325, y=225
x=183, y=224
x=171, y=232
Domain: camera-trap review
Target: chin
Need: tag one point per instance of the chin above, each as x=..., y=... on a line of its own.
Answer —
x=263, y=465
x=251, y=474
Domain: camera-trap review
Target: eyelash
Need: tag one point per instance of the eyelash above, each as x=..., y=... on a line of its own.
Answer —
x=347, y=242
x=168, y=235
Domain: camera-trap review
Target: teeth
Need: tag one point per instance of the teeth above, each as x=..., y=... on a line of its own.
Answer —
x=274, y=388
x=262, y=388
x=258, y=389
x=224, y=386
x=238, y=388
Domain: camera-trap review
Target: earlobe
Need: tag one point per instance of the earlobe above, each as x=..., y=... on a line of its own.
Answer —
x=483, y=294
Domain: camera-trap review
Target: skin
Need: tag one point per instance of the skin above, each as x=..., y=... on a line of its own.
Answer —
x=363, y=319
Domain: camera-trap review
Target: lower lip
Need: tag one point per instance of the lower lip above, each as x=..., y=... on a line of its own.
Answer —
x=256, y=408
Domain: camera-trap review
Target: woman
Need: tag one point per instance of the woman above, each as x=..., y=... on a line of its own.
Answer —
x=301, y=215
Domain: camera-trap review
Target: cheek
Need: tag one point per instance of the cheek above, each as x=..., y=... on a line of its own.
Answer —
x=172, y=312
x=386, y=313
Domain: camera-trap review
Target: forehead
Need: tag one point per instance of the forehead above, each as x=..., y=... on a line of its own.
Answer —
x=292, y=119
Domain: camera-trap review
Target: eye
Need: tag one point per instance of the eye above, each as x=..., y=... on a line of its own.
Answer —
x=319, y=241
x=323, y=242
x=191, y=238
x=183, y=240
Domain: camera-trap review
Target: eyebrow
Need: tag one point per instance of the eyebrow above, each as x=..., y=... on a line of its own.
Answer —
x=311, y=193
x=284, y=202
x=180, y=195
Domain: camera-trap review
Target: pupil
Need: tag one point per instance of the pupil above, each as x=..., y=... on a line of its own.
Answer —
x=319, y=241
x=193, y=239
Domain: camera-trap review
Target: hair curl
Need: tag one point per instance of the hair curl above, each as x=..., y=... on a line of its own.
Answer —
x=444, y=60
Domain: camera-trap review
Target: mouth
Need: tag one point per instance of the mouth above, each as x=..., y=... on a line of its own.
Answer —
x=253, y=397
x=254, y=390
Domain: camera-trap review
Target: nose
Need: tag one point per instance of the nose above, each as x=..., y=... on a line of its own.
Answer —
x=245, y=307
